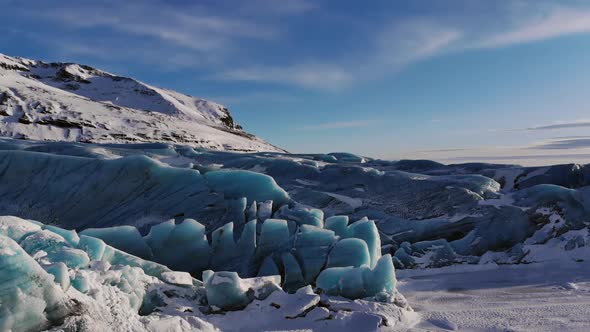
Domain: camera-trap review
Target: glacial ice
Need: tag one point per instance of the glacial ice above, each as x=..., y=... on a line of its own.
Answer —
x=265, y=210
x=349, y=252
x=298, y=252
x=119, y=192
x=223, y=290
x=126, y=238
x=80, y=282
x=311, y=249
x=71, y=237
x=574, y=203
x=367, y=231
x=298, y=188
x=293, y=277
x=274, y=238
x=167, y=239
x=223, y=245
x=94, y=247
x=302, y=215
x=268, y=268
x=363, y=229
x=42, y=240
x=29, y=299
x=60, y=274
x=17, y=228
x=293, y=230
x=254, y=186
x=229, y=255
x=338, y=224
x=303, y=257
x=359, y=282
x=226, y=290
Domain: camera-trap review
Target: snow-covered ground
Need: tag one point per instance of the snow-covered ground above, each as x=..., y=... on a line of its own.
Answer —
x=549, y=296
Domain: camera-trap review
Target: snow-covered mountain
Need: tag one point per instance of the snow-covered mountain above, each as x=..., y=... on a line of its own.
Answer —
x=74, y=102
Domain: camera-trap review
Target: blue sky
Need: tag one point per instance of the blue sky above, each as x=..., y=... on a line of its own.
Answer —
x=453, y=80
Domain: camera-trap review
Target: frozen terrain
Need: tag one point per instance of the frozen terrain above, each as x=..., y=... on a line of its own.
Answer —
x=552, y=296
x=59, y=280
x=125, y=207
x=73, y=102
x=297, y=242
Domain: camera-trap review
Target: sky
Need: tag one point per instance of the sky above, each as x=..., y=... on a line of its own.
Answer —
x=503, y=81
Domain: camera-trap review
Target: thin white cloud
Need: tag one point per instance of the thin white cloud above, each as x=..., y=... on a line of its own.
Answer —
x=198, y=36
x=254, y=97
x=412, y=40
x=274, y=7
x=393, y=48
x=340, y=125
x=554, y=126
x=562, y=125
x=192, y=28
x=564, y=144
x=557, y=22
x=317, y=76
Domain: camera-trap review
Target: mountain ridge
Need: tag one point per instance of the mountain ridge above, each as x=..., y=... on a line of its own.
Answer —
x=64, y=101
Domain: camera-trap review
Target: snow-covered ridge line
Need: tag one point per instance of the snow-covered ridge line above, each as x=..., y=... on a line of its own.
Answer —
x=74, y=102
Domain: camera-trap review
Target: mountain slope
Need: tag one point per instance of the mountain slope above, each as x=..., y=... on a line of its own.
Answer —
x=73, y=102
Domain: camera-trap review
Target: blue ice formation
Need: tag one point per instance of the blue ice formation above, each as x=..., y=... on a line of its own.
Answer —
x=55, y=247
x=226, y=290
x=94, y=247
x=575, y=203
x=125, y=238
x=39, y=263
x=29, y=299
x=302, y=215
x=52, y=248
x=363, y=229
x=254, y=186
x=349, y=252
x=411, y=200
x=451, y=213
x=359, y=282
x=312, y=247
x=167, y=240
x=296, y=250
x=42, y=262
x=292, y=276
x=84, y=192
x=80, y=192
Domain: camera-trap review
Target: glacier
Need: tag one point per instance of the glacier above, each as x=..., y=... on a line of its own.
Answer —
x=49, y=282
x=192, y=238
x=468, y=210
